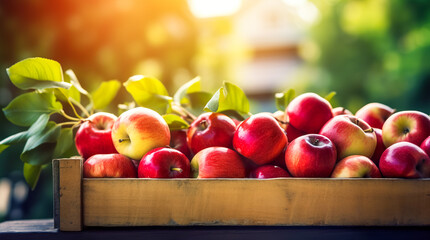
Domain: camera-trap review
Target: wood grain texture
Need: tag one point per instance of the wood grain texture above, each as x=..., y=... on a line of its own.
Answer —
x=69, y=192
x=293, y=201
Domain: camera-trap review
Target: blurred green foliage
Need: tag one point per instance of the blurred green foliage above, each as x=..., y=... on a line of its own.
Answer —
x=372, y=50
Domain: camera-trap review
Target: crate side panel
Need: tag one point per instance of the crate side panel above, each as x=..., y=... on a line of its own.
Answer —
x=143, y=202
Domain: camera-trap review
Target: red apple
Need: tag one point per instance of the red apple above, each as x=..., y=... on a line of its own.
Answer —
x=269, y=171
x=425, y=145
x=380, y=147
x=341, y=111
x=164, y=163
x=217, y=162
x=178, y=141
x=406, y=126
x=293, y=133
x=259, y=138
x=280, y=160
x=350, y=135
x=356, y=166
x=139, y=130
x=109, y=166
x=375, y=114
x=94, y=135
x=404, y=160
x=309, y=112
x=211, y=130
x=311, y=155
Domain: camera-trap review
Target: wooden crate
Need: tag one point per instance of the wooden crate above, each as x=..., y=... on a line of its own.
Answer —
x=81, y=202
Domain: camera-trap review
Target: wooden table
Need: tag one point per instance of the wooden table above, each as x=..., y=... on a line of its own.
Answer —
x=44, y=229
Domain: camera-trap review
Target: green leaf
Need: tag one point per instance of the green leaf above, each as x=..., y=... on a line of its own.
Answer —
x=105, y=93
x=14, y=139
x=175, y=122
x=65, y=144
x=25, y=109
x=329, y=96
x=21, y=137
x=228, y=97
x=71, y=77
x=284, y=98
x=39, y=148
x=37, y=73
x=195, y=102
x=189, y=87
x=3, y=147
x=149, y=92
x=32, y=174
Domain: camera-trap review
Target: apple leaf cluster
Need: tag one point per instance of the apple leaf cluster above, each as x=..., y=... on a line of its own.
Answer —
x=49, y=109
x=54, y=104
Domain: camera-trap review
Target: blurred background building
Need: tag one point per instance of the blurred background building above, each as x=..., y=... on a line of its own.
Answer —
x=365, y=50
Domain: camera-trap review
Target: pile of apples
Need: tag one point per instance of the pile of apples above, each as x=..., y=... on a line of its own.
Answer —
x=309, y=139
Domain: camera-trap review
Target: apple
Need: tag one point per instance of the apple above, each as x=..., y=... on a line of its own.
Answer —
x=139, y=130
x=425, y=145
x=350, y=135
x=356, y=166
x=94, y=135
x=406, y=126
x=280, y=159
x=178, y=141
x=164, y=163
x=375, y=114
x=210, y=130
x=341, y=111
x=311, y=155
x=404, y=160
x=309, y=112
x=217, y=162
x=293, y=133
x=112, y=165
x=269, y=171
x=259, y=138
x=380, y=147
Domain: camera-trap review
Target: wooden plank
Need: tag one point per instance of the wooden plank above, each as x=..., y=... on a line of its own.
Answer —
x=294, y=201
x=69, y=192
x=56, y=191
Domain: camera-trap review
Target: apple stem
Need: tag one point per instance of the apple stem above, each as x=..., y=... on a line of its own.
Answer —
x=370, y=130
x=176, y=169
x=203, y=125
x=280, y=121
x=123, y=140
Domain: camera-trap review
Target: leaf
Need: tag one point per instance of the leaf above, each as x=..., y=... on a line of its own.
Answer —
x=175, y=122
x=42, y=154
x=189, y=87
x=105, y=93
x=75, y=82
x=32, y=174
x=284, y=98
x=329, y=96
x=65, y=144
x=37, y=73
x=149, y=92
x=195, y=102
x=25, y=109
x=228, y=97
x=21, y=137
x=39, y=148
x=15, y=139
